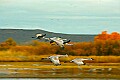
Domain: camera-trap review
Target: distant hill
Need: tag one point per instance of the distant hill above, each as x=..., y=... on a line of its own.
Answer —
x=24, y=35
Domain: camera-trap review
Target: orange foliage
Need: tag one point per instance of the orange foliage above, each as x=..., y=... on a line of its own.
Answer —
x=105, y=36
x=107, y=44
x=7, y=44
x=104, y=44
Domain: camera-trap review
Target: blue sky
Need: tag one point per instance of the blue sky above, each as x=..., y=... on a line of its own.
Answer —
x=61, y=16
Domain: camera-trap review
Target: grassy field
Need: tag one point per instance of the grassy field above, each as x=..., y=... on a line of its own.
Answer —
x=8, y=56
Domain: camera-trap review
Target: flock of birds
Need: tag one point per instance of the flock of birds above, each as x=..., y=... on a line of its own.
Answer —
x=60, y=42
x=55, y=60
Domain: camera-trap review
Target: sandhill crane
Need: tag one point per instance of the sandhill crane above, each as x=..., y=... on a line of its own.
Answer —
x=39, y=36
x=55, y=59
x=79, y=61
x=59, y=41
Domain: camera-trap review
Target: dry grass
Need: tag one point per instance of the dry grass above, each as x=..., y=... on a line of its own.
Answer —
x=52, y=66
x=97, y=59
x=23, y=56
x=106, y=59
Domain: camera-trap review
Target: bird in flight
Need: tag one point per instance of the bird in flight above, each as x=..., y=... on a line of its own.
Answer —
x=58, y=40
x=79, y=61
x=55, y=59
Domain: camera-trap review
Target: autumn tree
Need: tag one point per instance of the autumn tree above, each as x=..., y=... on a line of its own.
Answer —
x=107, y=44
x=10, y=42
x=105, y=36
x=7, y=44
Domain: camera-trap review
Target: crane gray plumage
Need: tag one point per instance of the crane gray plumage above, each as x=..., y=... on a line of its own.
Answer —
x=55, y=59
x=39, y=36
x=59, y=41
x=79, y=61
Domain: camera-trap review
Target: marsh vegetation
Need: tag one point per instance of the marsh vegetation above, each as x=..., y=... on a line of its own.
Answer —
x=24, y=60
x=66, y=70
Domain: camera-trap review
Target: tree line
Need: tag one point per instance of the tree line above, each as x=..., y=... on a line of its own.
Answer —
x=104, y=44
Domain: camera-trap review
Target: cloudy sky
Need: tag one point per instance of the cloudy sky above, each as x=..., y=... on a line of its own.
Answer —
x=61, y=16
